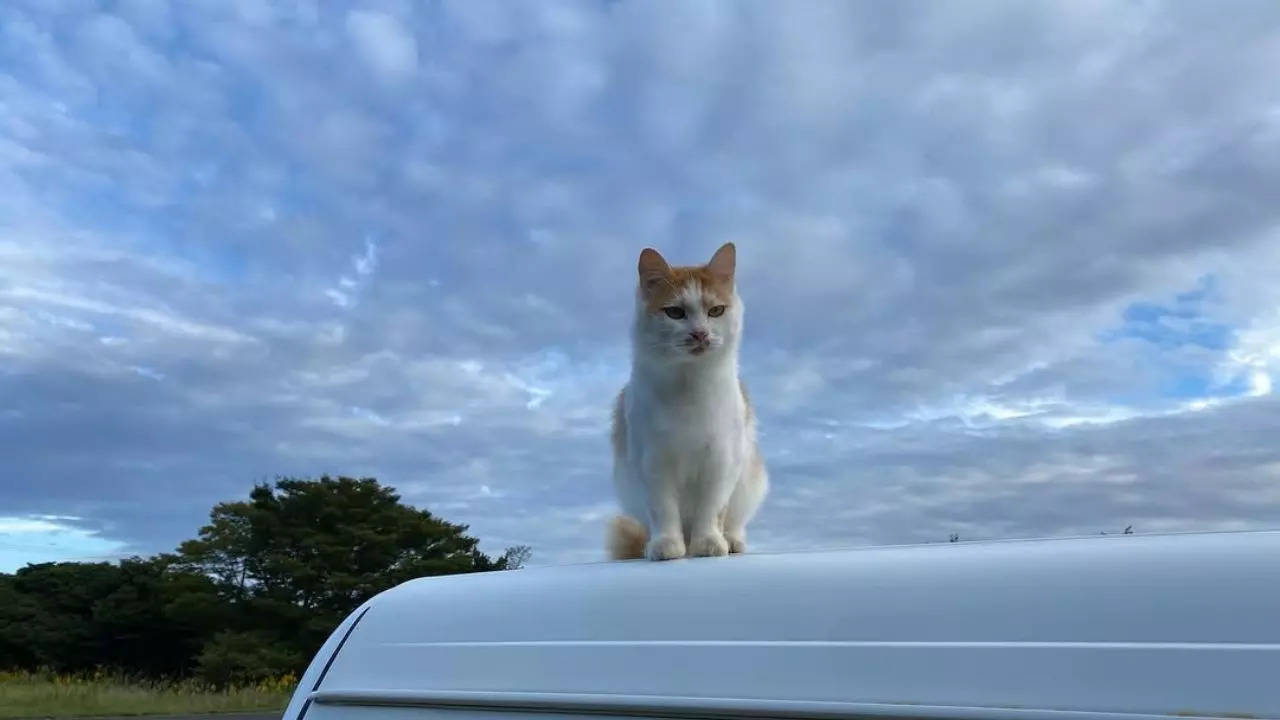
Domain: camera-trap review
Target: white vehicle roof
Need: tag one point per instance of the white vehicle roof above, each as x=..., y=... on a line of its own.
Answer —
x=1119, y=626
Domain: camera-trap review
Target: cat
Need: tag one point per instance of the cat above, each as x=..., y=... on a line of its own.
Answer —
x=686, y=466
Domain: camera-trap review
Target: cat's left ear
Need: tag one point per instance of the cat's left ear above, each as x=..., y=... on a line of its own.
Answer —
x=724, y=261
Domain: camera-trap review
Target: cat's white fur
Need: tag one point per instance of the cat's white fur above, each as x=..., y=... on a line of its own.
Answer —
x=687, y=469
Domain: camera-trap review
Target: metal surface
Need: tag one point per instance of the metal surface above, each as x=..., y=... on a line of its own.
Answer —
x=1135, y=625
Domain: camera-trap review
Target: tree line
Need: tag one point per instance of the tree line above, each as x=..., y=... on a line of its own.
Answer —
x=252, y=597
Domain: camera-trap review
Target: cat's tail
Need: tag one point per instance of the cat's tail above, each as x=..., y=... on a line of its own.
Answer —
x=627, y=538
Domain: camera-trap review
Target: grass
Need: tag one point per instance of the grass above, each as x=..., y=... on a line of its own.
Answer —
x=42, y=695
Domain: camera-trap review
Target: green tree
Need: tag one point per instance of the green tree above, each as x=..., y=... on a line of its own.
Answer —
x=253, y=596
x=16, y=611
x=245, y=657
x=53, y=621
x=299, y=555
x=159, y=617
x=142, y=615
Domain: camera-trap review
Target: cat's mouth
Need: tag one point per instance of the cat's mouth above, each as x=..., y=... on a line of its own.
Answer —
x=698, y=347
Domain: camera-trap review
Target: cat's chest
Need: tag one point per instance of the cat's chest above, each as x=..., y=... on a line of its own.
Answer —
x=691, y=419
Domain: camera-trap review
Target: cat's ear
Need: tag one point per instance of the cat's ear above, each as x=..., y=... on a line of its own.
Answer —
x=652, y=268
x=724, y=261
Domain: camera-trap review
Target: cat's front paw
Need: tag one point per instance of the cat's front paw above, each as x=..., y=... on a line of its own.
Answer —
x=737, y=543
x=665, y=547
x=708, y=546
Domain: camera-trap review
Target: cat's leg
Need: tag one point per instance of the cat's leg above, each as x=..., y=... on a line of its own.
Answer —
x=666, y=537
x=706, y=536
x=743, y=503
x=708, y=543
x=666, y=541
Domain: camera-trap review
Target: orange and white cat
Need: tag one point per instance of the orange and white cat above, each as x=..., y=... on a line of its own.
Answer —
x=686, y=466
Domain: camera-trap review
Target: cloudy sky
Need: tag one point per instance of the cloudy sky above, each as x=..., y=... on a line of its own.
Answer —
x=1010, y=268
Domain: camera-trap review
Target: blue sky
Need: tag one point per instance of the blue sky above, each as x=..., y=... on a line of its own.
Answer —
x=1009, y=267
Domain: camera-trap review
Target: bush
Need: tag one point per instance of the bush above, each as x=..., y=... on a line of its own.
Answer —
x=245, y=658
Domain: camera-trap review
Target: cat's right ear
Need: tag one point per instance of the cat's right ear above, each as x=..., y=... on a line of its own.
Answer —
x=652, y=268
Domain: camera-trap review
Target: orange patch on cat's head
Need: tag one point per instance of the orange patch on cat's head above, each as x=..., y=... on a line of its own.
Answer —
x=661, y=284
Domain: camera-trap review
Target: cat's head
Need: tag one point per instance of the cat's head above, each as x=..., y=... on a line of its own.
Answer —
x=687, y=314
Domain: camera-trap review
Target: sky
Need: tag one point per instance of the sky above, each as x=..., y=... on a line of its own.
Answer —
x=1009, y=268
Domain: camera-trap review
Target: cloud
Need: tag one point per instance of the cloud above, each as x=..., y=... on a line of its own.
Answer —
x=159, y=319
x=384, y=44
x=363, y=266
x=1007, y=268
x=50, y=538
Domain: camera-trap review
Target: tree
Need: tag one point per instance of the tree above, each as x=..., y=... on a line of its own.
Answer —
x=516, y=556
x=159, y=617
x=16, y=611
x=53, y=621
x=302, y=554
x=252, y=597
x=245, y=657
x=138, y=615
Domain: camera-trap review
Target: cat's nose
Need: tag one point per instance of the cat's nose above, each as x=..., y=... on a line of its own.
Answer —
x=699, y=335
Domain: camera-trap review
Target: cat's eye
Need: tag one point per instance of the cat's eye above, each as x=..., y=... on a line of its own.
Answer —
x=673, y=312
x=716, y=311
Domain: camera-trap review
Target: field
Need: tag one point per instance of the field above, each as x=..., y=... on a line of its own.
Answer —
x=36, y=695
